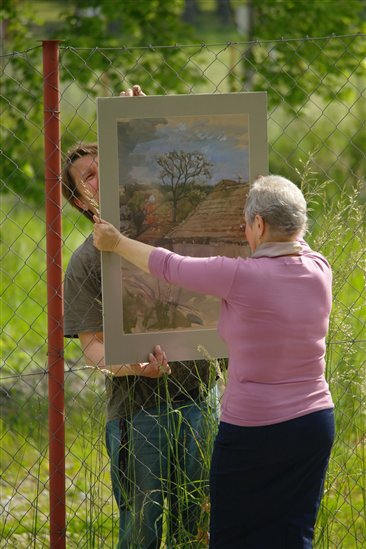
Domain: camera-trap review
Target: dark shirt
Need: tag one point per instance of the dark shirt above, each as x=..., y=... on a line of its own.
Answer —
x=83, y=313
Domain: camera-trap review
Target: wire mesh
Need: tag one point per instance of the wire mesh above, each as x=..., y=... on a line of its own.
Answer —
x=316, y=124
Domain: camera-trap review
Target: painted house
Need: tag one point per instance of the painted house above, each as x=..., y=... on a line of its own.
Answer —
x=215, y=227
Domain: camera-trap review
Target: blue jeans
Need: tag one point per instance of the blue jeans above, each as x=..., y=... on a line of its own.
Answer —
x=158, y=458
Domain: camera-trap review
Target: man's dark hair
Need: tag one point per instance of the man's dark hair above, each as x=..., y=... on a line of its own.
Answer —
x=69, y=189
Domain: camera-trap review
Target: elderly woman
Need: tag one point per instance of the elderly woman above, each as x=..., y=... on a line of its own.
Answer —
x=277, y=426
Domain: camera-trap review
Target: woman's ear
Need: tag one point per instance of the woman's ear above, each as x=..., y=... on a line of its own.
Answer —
x=259, y=221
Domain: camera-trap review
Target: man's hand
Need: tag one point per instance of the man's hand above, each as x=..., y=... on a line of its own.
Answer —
x=93, y=349
x=156, y=367
x=135, y=91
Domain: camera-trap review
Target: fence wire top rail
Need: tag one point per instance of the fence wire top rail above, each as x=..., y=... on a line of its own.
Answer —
x=281, y=40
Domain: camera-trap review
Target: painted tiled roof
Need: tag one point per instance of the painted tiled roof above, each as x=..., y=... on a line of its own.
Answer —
x=219, y=217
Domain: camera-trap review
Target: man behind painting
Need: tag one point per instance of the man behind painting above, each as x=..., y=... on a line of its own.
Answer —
x=156, y=422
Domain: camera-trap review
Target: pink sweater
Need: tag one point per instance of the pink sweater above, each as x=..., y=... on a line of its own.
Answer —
x=274, y=318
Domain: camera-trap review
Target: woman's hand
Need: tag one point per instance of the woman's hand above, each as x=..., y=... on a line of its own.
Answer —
x=108, y=239
x=106, y=236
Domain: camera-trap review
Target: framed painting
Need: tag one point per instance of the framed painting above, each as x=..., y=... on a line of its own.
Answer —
x=174, y=172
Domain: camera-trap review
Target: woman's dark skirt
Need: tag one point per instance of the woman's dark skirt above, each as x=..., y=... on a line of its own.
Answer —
x=266, y=483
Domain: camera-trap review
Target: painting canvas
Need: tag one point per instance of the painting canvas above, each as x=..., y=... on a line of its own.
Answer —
x=174, y=172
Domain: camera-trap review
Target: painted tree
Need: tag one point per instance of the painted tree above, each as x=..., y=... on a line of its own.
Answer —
x=180, y=171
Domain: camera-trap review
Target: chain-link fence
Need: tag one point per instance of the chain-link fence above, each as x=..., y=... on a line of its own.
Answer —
x=316, y=124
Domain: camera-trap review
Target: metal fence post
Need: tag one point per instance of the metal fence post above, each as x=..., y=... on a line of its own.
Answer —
x=56, y=413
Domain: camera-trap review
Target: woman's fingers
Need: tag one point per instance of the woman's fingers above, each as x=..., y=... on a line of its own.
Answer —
x=106, y=237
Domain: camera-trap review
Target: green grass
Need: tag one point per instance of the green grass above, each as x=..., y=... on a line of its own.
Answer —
x=91, y=512
x=338, y=231
x=23, y=282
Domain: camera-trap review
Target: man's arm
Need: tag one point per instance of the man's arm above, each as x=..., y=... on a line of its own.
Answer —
x=93, y=349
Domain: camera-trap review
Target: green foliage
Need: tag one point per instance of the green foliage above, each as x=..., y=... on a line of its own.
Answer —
x=124, y=26
x=21, y=166
x=298, y=69
x=96, y=71
x=112, y=23
x=108, y=45
x=300, y=18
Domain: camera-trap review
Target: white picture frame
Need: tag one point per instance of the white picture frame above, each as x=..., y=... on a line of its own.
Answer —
x=147, y=146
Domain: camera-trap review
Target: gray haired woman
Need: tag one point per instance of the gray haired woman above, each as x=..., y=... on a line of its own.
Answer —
x=277, y=426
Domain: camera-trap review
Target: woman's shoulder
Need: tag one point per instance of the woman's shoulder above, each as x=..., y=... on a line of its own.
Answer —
x=317, y=257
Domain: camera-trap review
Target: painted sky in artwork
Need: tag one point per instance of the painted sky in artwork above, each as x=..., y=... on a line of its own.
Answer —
x=223, y=139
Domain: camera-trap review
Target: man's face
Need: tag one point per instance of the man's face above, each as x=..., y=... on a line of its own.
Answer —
x=84, y=171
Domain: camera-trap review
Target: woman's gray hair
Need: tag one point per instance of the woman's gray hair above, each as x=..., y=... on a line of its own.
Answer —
x=280, y=203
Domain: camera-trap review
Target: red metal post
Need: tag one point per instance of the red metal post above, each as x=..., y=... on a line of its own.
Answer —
x=56, y=414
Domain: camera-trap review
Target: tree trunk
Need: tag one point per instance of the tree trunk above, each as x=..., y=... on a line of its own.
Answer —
x=190, y=11
x=225, y=11
x=248, y=68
